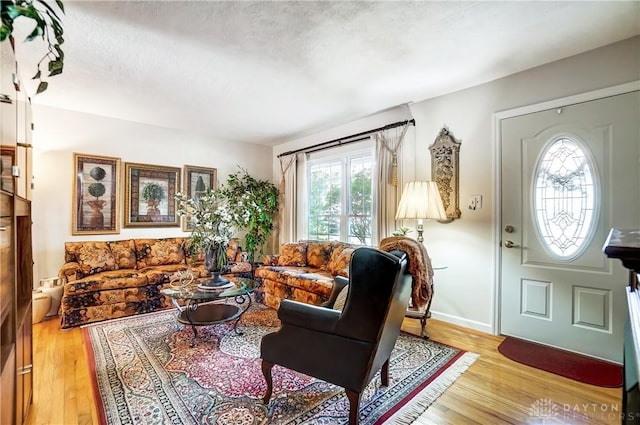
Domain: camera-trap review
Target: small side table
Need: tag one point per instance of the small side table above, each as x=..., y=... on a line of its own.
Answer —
x=424, y=313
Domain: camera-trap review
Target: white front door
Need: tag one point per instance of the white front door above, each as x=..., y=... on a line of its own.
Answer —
x=568, y=176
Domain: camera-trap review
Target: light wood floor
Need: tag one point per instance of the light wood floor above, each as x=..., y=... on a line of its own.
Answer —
x=495, y=390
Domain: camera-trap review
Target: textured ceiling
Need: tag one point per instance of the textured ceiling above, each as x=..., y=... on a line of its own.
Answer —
x=266, y=72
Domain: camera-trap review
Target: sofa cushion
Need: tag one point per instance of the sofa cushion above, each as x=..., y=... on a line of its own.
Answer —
x=124, y=253
x=106, y=280
x=274, y=292
x=95, y=257
x=312, y=280
x=339, y=262
x=135, y=301
x=159, y=252
x=318, y=254
x=293, y=254
x=162, y=274
x=199, y=271
x=111, y=296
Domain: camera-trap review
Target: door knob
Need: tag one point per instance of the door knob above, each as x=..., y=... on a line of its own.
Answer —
x=509, y=244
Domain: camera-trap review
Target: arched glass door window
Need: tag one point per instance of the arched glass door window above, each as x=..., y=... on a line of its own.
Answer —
x=564, y=197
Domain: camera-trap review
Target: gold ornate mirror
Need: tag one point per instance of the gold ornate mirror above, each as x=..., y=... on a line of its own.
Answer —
x=445, y=172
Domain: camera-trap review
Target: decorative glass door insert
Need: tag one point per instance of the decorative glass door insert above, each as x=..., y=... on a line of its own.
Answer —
x=564, y=198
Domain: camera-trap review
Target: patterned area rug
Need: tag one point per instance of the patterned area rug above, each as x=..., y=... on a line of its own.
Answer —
x=146, y=372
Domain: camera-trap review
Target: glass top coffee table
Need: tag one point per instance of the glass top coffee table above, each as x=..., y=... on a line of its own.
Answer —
x=199, y=310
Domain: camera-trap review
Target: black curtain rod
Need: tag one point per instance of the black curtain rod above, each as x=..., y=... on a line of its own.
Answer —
x=359, y=139
x=346, y=140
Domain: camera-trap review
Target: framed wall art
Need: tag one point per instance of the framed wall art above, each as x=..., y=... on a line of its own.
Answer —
x=197, y=180
x=150, y=195
x=96, y=194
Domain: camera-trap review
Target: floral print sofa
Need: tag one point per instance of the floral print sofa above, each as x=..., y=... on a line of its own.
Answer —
x=109, y=279
x=303, y=271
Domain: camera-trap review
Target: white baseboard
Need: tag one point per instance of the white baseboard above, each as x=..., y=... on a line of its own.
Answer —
x=460, y=321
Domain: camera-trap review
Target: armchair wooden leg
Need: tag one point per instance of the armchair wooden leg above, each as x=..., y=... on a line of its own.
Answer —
x=354, y=406
x=266, y=371
x=384, y=374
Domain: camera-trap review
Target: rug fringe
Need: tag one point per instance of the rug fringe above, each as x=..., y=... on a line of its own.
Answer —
x=421, y=402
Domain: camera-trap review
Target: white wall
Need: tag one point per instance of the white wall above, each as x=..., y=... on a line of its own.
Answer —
x=464, y=292
x=59, y=133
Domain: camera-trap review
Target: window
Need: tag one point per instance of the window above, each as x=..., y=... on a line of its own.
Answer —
x=340, y=198
x=565, y=198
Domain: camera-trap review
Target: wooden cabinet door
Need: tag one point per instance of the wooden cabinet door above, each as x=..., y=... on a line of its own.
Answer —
x=7, y=386
x=24, y=369
x=8, y=116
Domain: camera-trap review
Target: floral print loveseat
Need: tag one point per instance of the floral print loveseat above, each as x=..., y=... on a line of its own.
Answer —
x=109, y=279
x=303, y=271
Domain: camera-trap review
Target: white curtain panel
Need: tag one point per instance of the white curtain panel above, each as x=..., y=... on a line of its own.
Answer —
x=288, y=200
x=388, y=176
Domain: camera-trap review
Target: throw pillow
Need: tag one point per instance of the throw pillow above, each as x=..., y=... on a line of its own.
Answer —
x=71, y=251
x=293, y=254
x=125, y=253
x=270, y=260
x=159, y=252
x=234, y=251
x=340, y=259
x=341, y=299
x=318, y=254
x=95, y=257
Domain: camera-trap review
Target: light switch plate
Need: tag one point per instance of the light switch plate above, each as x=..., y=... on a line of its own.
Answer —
x=475, y=202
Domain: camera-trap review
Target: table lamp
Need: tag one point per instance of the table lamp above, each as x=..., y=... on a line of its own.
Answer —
x=420, y=201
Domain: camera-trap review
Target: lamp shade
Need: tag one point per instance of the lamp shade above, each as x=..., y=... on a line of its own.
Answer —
x=421, y=200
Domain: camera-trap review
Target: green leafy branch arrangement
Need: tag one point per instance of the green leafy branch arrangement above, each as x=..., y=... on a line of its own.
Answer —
x=257, y=204
x=48, y=26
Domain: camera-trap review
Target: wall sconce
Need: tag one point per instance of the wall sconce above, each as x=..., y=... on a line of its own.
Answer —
x=445, y=170
x=420, y=201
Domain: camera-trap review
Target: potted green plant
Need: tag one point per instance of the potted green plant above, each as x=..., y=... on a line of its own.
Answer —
x=97, y=189
x=48, y=26
x=153, y=193
x=256, y=204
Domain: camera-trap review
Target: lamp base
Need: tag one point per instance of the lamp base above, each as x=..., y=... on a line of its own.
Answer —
x=420, y=229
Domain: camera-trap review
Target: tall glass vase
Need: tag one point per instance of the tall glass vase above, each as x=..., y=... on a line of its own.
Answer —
x=216, y=261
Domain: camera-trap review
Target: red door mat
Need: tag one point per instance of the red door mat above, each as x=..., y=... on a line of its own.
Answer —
x=564, y=363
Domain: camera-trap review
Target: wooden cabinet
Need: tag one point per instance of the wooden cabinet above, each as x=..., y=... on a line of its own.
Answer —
x=8, y=117
x=24, y=286
x=16, y=283
x=24, y=369
x=16, y=258
x=16, y=172
x=7, y=309
x=8, y=380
